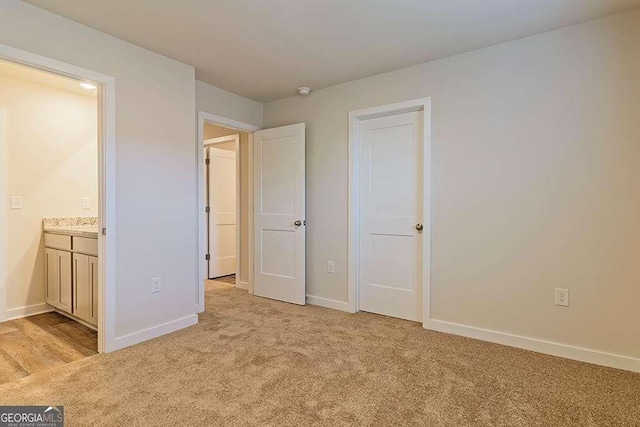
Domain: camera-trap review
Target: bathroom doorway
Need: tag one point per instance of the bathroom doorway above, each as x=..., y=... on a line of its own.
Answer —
x=67, y=203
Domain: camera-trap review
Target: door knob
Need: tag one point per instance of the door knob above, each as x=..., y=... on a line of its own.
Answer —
x=419, y=227
x=298, y=223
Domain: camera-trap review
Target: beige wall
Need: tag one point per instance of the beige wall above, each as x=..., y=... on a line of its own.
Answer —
x=155, y=133
x=155, y=161
x=52, y=162
x=213, y=131
x=535, y=182
x=214, y=100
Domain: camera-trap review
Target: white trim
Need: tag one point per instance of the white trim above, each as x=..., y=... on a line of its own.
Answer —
x=235, y=138
x=537, y=345
x=222, y=139
x=30, y=310
x=107, y=180
x=4, y=208
x=251, y=214
x=424, y=105
x=155, y=331
x=242, y=285
x=201, y=225
x=228, y=123
x=328, y=303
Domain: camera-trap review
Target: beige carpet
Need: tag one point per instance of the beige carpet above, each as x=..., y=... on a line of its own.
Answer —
x=252, y=361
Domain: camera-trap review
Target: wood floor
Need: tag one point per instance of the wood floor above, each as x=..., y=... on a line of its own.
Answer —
x=41, y=342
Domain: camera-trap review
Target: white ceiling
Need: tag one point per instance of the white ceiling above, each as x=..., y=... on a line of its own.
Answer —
x=265, y=49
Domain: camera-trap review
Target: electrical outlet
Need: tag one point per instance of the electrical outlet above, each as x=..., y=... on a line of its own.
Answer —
x=16, y=202
x=331, y=267
x=86, y=203
x=155, y=285
x=562, y=297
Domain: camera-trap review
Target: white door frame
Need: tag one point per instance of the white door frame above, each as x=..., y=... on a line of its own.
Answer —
x=355, y=117
x=212, y=142
x=106, y=185
x=201, y=225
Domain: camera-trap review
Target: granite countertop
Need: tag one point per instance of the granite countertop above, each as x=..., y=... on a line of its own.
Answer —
x=76, y=226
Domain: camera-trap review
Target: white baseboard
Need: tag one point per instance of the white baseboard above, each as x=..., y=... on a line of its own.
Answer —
x=30, y=310
x=154, y=332
x=540, y=346
x=243, y=285
x=328, y=303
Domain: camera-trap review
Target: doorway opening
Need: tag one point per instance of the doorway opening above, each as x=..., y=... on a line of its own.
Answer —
x=57, y=192
x=273, y=230
x=224, y=189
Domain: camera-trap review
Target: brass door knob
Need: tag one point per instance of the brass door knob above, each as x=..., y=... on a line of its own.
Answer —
x=298, y=223
x=419, y=227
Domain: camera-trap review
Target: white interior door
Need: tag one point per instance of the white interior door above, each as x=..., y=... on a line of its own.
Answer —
x=279, y=218
x=222, y=212
x=390, y=191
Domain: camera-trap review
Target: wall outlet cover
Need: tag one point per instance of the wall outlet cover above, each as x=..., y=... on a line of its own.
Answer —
x=156, y=285
x=86, y=203
x=562, y=297
x=331, y=267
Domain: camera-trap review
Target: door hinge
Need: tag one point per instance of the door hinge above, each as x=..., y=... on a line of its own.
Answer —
x=207, y=257
x=104, y=231
x=207, y=209
x=207, y=161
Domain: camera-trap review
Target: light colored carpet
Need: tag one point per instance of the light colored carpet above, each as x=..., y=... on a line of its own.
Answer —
x=252, y=361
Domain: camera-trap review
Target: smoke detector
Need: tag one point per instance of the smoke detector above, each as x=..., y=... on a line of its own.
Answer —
x=304, y=91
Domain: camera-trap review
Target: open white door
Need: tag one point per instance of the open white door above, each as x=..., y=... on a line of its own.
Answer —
x=222, y=215
x=279, y=219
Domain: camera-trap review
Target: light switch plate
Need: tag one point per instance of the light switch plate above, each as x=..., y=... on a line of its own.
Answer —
x=86, y=203
x=16, y=202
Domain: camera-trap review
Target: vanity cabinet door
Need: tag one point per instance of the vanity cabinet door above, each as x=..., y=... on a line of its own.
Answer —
x=82, y=287
x=93, y=268
x=52, y=276
x=65, y=298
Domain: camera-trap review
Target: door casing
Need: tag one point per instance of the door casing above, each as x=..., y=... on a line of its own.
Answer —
x=355, y=117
